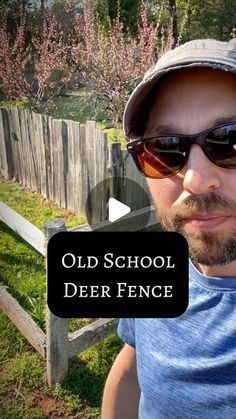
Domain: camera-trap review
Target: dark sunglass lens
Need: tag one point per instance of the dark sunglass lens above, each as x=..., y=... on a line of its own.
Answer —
x=221, y=146
x=159, y=158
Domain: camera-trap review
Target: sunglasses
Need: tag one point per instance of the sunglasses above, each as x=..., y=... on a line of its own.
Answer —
x=165, y=155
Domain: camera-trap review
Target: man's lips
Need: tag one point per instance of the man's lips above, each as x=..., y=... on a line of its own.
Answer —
x=206, y=221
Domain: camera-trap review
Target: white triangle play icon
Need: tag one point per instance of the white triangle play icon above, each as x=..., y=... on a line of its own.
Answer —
x=116, y=209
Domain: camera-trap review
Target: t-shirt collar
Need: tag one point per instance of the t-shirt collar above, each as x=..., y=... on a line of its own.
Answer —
x=225, y=283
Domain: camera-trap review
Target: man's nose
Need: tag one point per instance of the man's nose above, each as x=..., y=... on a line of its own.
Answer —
x=201, y=176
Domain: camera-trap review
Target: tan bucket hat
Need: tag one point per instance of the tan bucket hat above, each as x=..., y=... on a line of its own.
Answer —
x=196, y=53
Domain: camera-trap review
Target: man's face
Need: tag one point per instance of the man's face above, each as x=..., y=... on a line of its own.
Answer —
x=200, y=201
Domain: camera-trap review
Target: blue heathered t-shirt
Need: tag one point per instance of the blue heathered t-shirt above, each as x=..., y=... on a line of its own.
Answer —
x=187, y=365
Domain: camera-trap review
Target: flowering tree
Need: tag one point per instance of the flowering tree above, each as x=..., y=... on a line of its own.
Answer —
x=14, y=58
x=108, y=61
x=37, y=71
x=51, y=63
x=113, y=60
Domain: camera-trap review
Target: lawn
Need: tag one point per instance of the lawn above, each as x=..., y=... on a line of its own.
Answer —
x=82, y=106
x=23, y=390
x=79, y=106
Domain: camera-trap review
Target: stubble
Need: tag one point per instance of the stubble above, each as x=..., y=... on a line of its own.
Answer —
x=206, y=248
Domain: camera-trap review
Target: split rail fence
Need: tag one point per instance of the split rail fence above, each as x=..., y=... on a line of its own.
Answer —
x=64, y=161
x=56, y=345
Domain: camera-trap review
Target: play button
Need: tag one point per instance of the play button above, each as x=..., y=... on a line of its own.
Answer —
x=115, y=199
x=116, y=209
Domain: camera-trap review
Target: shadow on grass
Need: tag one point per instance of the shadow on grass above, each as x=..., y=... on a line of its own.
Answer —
x=86, y=377
x=14, y=260
x=9, y=257
x=82, y=381
x=5, y=229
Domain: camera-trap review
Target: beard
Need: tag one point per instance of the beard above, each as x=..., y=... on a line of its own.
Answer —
x=205, y=248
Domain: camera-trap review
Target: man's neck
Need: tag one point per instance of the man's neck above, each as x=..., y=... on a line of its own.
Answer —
x=219, y=271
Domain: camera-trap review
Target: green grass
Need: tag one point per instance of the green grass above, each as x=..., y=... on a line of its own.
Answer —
x=81, y=106
x=11, y=103
x=33, y=206
x=23, y=391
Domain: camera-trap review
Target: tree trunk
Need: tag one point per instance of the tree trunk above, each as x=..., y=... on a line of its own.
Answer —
x=42, y=7
x=172, y=7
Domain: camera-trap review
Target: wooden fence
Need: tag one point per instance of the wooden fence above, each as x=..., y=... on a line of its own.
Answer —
x=64, y=160
x=56, y=345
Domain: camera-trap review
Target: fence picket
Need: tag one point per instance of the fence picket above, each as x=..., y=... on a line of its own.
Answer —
x=50, y=166
x=15, y=143
x=65, y=160
x=81, y=170
x=7, y=126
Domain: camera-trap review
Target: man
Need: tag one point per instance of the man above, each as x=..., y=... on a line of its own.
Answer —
x=181, y=123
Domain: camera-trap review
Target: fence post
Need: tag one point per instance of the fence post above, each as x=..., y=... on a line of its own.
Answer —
x=56, y=327
x=116, y=171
